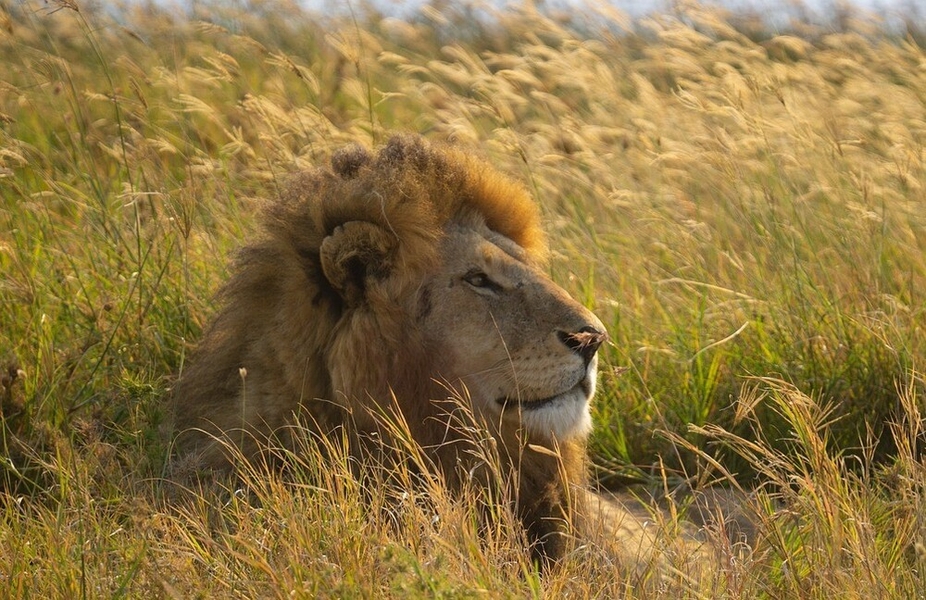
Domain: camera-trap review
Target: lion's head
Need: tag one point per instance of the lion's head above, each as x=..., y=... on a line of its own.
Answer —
x=522, y=348
x=409, y=276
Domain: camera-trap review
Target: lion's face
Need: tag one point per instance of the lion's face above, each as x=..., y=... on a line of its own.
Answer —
x=521, y=347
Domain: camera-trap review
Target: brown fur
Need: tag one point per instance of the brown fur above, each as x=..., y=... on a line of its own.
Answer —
x=326, y=317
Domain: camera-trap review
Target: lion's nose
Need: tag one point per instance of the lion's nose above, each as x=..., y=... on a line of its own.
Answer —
x=584, y=342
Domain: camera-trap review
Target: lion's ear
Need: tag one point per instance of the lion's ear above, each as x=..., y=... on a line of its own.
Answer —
x=348, y=161
x=355, y=254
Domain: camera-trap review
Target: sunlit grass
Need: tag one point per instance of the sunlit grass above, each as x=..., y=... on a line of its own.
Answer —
x=743, y=210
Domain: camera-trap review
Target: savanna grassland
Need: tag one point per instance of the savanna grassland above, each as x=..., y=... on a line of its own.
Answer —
x=744, y=209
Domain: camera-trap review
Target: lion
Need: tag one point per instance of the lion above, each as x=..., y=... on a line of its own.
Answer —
x=406, y=278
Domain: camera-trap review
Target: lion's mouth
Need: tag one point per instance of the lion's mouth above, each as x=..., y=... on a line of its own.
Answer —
x=580, y=391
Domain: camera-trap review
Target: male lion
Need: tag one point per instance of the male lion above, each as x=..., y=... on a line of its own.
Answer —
x=401, y=280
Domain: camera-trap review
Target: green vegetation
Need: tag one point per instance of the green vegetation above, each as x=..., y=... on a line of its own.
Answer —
x=746, y=212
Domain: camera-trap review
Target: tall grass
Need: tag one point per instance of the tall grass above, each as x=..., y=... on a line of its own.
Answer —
x=744, y=210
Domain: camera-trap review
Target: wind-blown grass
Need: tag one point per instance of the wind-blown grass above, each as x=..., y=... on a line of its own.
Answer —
x=743, y=210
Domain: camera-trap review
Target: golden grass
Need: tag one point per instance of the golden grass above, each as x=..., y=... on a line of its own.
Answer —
x=743, y=210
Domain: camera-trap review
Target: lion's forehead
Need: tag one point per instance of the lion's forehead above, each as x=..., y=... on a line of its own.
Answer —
x=473, y=235
x=507, y=246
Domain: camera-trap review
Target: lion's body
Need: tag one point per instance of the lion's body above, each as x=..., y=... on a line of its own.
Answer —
x=401, y=281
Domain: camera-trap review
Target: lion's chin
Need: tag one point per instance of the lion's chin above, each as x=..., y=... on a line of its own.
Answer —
x=561, y=417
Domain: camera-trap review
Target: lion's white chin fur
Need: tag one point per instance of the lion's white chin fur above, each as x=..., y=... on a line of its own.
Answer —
x=565, y=416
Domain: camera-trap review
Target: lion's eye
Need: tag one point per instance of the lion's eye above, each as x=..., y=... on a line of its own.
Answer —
x=478, y=279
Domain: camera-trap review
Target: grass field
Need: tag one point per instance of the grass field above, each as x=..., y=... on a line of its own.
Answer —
x=744, y=209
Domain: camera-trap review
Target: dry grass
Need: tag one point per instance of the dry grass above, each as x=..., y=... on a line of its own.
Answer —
x=743, y=210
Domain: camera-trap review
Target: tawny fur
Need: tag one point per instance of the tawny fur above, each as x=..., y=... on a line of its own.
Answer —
x=322, y=321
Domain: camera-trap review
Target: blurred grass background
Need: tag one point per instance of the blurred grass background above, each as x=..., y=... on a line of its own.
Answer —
x=743, y=207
